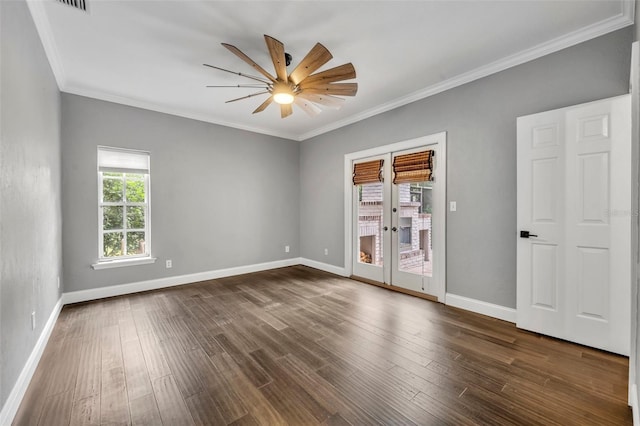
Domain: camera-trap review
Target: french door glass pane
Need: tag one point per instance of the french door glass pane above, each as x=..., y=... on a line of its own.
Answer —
x=415, y=252
x=370, y=223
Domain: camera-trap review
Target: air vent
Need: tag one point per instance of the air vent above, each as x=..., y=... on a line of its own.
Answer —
x=78, y=4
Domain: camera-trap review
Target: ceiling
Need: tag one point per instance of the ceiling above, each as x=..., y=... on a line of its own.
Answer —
x=149, y=53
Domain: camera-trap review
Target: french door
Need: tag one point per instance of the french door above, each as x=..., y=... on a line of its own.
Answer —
x=398, y=222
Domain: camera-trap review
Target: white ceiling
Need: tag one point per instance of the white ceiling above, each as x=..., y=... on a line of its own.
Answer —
x=149, y=53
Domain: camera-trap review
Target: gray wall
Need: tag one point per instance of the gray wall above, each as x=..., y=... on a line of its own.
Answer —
x=30, y=217
x=220, y=197
x=480, y=120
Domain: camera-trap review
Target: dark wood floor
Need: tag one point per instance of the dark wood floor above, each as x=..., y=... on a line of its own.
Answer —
x=299, y=346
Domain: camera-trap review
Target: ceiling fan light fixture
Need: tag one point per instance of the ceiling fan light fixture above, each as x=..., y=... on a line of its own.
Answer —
x=282, y=94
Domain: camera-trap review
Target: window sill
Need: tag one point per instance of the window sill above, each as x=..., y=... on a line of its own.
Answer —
x=123, y=262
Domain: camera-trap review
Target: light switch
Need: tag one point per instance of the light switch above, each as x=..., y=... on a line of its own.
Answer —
x=452, y=206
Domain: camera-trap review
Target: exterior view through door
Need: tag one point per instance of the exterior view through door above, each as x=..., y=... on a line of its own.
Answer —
x=397, y=205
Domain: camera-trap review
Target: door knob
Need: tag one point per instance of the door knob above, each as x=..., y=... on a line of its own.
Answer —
x=394, y=229
x=526, y=234
x=386, y=228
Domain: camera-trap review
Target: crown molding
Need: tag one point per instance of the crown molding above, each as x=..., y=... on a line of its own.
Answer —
x=623, y=19
x=137, y=103
x=36, y=8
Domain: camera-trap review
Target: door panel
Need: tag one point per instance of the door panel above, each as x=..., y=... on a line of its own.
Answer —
x=370, y=219
x=574, y=195
x=415, y=215
x=410, y=253
x=540, y=266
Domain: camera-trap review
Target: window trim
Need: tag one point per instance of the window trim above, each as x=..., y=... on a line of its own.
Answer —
x=127, y=260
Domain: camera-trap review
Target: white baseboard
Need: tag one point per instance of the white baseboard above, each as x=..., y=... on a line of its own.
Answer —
x=118, y=290
x=323, y=266
x=480, y=307
x=12, y=404
x=633, y=402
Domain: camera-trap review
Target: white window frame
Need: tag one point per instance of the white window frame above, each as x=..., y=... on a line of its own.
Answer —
x=124, y=260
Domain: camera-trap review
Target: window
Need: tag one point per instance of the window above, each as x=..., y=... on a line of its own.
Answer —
x=123, y=208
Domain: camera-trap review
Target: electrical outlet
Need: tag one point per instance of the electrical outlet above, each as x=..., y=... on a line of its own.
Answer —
x=326, y=252
x=33, y=320
x=169, y=264
x=286, y=249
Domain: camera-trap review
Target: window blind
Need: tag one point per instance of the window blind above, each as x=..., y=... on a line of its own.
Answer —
x=122, y=160
x=416, y=167
x=367, y=172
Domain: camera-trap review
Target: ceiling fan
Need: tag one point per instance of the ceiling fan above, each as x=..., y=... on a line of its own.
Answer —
x=308, y=91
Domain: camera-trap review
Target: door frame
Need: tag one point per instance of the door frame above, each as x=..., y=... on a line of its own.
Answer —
x=439, y=139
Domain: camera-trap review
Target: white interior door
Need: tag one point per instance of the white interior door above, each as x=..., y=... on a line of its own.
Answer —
x=574, y=198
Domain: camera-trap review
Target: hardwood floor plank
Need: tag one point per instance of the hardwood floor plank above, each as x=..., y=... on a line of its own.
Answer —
x=86, y=412
x=367, y=397
x=259, y=407
x=204, y=411
x=57, y=409
x=227, y=402
x=326, y=395
x=135, y=370
x=171, y=405
x=88, y=380
x=299, y=346
x=114, y=404
x=186, y=375
x=144, y=411
x=256, y=375
x=285, y=389
x=154, y=357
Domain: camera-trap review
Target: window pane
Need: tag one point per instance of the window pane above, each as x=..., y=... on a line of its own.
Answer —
x=112, y=217
x=370, y=223
x=113, y=242
x=135, y=243
x=112, y=187
x=135, y=188
x=414, y=239
x=135, y=217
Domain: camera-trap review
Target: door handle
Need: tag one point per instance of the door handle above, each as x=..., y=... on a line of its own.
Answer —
x=386, y=228
x=526, y=234
x=394, y=229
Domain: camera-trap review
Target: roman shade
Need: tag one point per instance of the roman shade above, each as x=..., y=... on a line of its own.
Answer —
x=415, y=167
x=122, y=160
x=368, y=172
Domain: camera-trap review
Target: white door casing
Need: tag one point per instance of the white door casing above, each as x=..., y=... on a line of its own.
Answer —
x=574, y=193
x=436, y=284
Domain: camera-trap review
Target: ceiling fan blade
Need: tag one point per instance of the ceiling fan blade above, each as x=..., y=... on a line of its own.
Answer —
x=317, y=57
x=285, y=110
x=343, y=72
x=262, y=80
x=248, y=60
x=264, y=105
x=340, y=89
x=248, y=96
x=276, y=51
x=324, y=100
x=307, y=106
